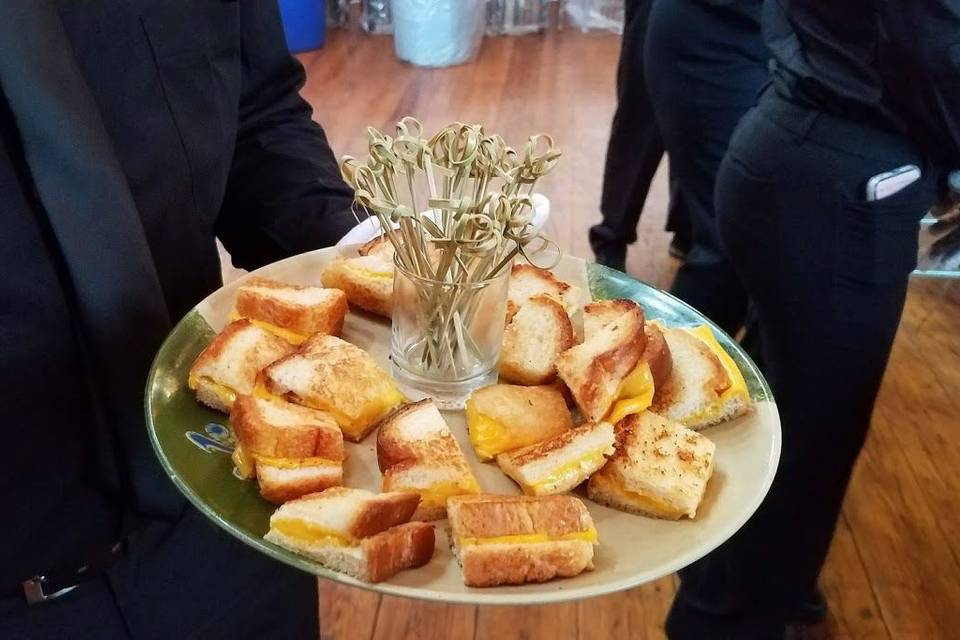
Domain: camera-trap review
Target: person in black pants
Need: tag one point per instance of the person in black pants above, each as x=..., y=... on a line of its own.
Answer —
x=633, y=155
x=827, y=269
x=706, y=63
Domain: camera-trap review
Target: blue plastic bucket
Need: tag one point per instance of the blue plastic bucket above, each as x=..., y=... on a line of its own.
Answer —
x=304, y=23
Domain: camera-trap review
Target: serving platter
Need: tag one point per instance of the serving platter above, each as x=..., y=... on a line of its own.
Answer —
x=194, y=444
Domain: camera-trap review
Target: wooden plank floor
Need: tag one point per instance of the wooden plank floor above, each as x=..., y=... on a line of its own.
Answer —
x=894, y=568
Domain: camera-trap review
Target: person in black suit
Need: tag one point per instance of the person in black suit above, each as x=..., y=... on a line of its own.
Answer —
x=860, y=88
x=133, y=133
x=633, y=155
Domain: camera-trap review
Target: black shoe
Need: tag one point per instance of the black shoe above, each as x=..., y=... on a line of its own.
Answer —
x=608, y=251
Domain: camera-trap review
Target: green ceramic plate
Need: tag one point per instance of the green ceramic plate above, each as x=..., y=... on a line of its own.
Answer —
x=194, y=445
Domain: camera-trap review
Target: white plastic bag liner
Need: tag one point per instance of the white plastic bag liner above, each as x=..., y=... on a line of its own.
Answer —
x=437, y=33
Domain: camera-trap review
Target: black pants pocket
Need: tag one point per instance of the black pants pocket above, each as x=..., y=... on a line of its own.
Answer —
x=877, y=241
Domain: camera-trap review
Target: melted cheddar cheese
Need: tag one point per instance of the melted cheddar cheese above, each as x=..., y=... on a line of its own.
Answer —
x=368, y=273
x=309, y=532
x=225, y=393
x=635, y=395
x=295, y=463
x=292, y=337
x=590, y=535
x=436, y=494
x=488, y=436
x=650, y=504
x=245, y=464
x=738, y=386
x=567, y=472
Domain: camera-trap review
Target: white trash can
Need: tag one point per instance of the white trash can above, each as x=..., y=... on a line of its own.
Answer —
x=437, y=33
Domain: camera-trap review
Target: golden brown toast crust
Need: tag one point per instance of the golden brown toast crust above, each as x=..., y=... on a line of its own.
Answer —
x=556, y=286
x=404, y=546
x=657, y=355
x=490, y=516
x=493, y=565
x=718, y=380
x=525, y=455
x=304, y=320
x=318, y=437
x=362, y=294
x=216, y=347
x=391, y=450
x=614, y=363
x=279, y=491
x=380, y=245
x=512, y=369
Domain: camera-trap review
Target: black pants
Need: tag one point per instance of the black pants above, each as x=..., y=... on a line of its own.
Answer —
x=635, y=148
x=705, y=66
x=187, y=580
x=827, y=272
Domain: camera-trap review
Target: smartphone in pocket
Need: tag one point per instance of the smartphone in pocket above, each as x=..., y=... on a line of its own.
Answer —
x=883, y=185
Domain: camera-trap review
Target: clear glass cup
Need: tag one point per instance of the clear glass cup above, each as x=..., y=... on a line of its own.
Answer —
x=446, y=336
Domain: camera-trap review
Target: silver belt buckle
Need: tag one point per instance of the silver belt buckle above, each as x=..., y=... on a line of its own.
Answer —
x=34, y=593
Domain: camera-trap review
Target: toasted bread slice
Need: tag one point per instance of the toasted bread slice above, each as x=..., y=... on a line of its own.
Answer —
x=356, y=532
x=292, y=312
x=332, y=375
x=527, y=281
x=366, y=280
x=600, y=313
x=519, y=539
x=704, y=387
x=291, y=450
x=502, y=417
x=657, y=355
x=228, y=367
x=417, y=452
x=538, y=333
x=560, y=463
x=345, y=514
x=660, y=469
x=379, y=246
x=595, y=370
x=373, y=559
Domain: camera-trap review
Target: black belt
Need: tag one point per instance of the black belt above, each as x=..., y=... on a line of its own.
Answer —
x=51, y=585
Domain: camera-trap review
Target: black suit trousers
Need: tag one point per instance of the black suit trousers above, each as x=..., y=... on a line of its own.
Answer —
x=705, y=66
x=827, y=272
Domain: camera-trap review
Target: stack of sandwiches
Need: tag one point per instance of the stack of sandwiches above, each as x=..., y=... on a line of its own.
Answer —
x=367, y=280
x=229, y=366
x=334, y=376
x=368, y=536
x=290, y=450
x=500, y=540
x=295, y=391
x=417, y=452
x=292, y=312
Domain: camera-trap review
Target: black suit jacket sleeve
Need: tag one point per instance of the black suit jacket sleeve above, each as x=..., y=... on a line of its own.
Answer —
x=284, y=193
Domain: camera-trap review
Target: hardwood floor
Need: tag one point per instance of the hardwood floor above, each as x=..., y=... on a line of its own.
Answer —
x=894, y=568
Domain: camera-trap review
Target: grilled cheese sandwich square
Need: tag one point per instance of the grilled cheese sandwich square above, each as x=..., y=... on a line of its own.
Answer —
x=502, y=417
x=705, y=387
x=367, y=280
x=416, y=451
x=292, y=312
x=228, y=367
x=332, y=375
x=291, y=450
x=520, y=539
x=660, y=469
x=560, y=463
x=362, y=534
